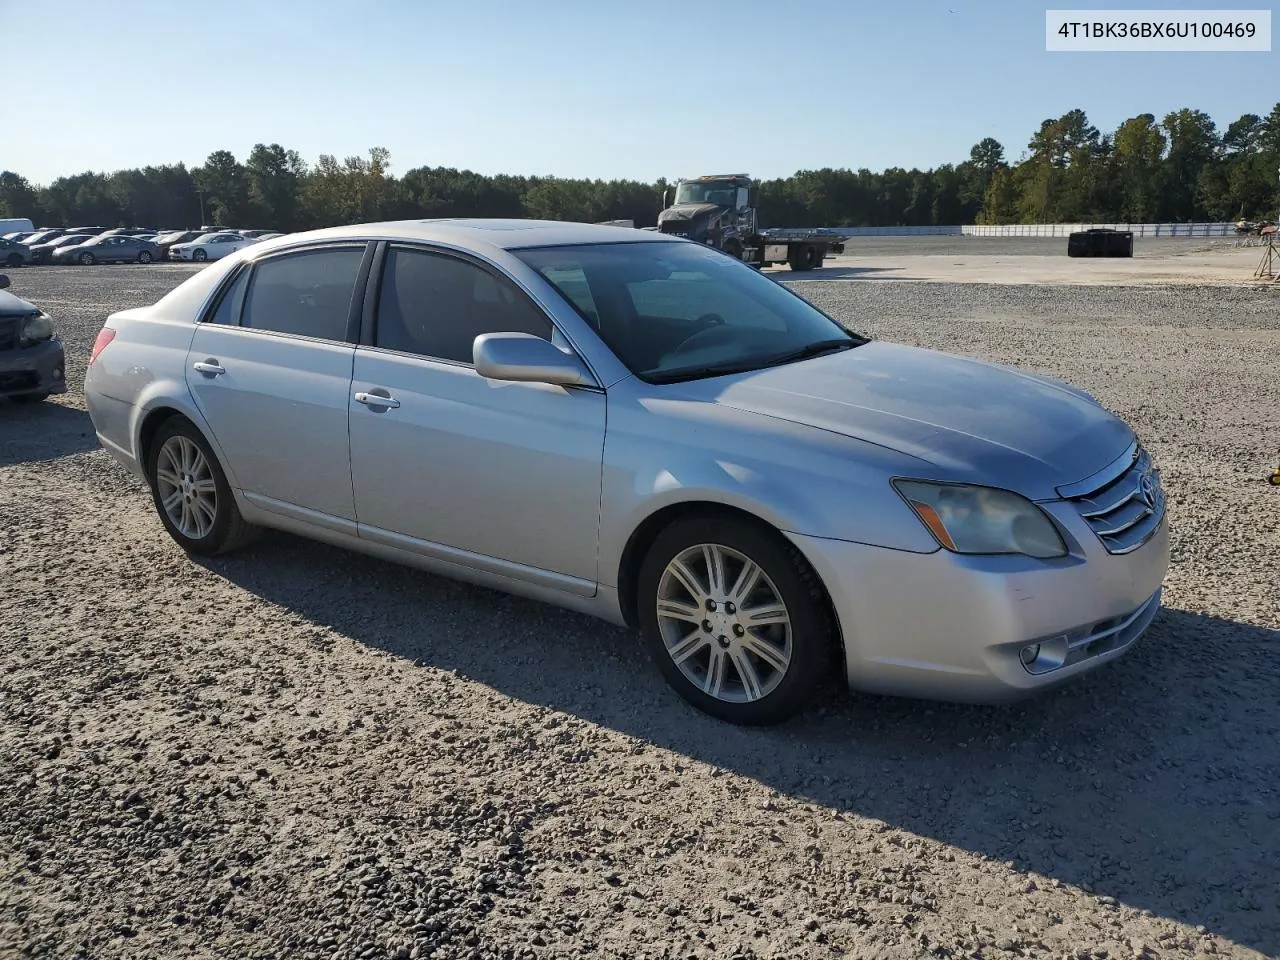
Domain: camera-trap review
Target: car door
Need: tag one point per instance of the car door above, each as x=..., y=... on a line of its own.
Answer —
x=270, y=370
x=499, y=476
x=126, y=248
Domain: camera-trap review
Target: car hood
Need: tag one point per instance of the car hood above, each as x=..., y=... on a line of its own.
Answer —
x=966, y=420
x=11, y=306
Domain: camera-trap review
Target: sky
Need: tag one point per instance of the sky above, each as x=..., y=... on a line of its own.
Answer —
x=575, y=88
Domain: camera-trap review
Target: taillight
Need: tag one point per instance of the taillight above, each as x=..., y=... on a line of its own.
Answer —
x=105, y=336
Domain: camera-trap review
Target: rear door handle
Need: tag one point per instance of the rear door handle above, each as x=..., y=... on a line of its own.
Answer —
x=376, y=400
x=210, y=366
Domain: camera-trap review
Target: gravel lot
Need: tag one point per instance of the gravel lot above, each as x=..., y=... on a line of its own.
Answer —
x=287, y=754
x=1021, y=246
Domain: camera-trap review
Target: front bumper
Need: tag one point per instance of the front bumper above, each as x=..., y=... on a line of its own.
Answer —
x=942, y=626
x=38, y=369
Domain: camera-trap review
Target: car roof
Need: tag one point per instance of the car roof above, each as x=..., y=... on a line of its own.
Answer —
x=509, y=234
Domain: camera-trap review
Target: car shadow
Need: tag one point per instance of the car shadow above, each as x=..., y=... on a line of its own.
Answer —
x=1127, y=783
x=32, y=432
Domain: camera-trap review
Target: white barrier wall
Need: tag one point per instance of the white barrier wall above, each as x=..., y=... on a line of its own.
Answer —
x=1046, y=230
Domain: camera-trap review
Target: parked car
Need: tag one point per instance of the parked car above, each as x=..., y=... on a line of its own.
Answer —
x=640, y=428
x=210, y=246
x=13, y=253
x=43, y=252
x=32, y=362
x=167, y=240
x=43, y=236
x=254, y=234
x=108, y=249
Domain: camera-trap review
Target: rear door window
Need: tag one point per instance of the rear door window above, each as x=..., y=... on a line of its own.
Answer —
x=307, y=294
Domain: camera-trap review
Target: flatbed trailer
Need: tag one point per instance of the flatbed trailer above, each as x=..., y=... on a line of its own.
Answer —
x=800, y=248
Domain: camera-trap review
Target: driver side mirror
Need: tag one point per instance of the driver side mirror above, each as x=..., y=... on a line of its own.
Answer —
x=525, y=358
x=4, y=281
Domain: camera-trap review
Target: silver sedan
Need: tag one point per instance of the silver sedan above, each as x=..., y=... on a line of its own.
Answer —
x=649, y=431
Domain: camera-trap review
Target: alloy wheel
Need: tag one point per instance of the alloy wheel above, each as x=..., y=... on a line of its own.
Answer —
x=723, y=623
x=188, y=493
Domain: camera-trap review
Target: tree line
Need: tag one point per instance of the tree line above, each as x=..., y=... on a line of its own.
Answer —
x=1177, y=169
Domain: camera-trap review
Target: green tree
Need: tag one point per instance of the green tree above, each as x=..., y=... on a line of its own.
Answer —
x=274, y=175
x=225, y=186
x=1193, y=144
x=1136, y=164
x=17, y=197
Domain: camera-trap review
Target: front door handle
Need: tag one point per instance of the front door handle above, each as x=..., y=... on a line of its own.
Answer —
x=376, y=400
x=210, y=366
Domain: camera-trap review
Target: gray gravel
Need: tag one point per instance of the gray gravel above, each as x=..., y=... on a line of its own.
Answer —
x=1019, y=246
x=287, y=754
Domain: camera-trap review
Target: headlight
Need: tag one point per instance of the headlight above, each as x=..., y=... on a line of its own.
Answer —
x=37, y=329
x=969, y=519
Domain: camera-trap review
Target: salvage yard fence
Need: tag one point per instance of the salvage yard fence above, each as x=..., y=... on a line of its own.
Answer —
x=1226, y=229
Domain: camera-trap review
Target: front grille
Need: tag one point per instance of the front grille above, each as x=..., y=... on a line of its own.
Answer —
x=680, y=228
x=1125, y=504
x=9, y=332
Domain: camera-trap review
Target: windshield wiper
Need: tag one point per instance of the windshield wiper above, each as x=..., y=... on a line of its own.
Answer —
x=812, y=350
x=742, y=366
x=697, y=373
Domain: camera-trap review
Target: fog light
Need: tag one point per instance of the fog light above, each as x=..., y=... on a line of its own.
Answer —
x=1028, y=654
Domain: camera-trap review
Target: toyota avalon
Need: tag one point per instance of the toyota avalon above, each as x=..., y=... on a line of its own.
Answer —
x=643, y=429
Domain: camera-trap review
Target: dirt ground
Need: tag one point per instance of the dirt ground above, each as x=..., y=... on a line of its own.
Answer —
x=292, y=753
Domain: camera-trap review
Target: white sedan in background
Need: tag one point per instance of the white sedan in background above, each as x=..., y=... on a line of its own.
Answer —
x=211, y=246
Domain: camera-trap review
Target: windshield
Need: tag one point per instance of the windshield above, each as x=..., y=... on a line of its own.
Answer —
x=680, y=311
x=721, y=193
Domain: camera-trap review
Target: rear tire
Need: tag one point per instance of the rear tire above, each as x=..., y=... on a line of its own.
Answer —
x=724, y=665
x=191, y=493
x=145, y=257
x=87, y=259
x=30, y=397
x=801, y=257
x=13, y=260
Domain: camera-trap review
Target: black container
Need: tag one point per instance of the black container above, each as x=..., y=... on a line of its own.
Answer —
x=1100, y=242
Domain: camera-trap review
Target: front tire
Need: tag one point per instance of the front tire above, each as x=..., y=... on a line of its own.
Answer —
x=199, y=256
x=191, y=493
x=30, y=397
x=736, y=620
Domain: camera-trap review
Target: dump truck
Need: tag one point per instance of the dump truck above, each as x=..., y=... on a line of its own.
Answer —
x=721, y=210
